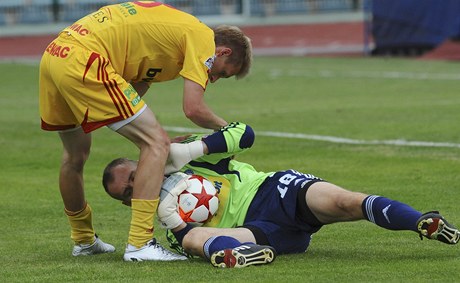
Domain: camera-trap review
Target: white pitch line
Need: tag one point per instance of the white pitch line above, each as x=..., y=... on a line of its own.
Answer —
x=332, y=139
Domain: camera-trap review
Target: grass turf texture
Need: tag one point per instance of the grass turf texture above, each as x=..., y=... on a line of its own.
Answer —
x=351, y=98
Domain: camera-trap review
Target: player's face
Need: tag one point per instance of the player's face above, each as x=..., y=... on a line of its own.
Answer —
x=221, y=68
x=122, y=186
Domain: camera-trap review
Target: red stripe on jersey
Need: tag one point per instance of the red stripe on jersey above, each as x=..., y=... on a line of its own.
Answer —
x=123, y=97
x=91, y=126
x=147, y=5
x=105, y=77
x=90, y=62
x=123, y=102
x=117, y=96
x=99, y=70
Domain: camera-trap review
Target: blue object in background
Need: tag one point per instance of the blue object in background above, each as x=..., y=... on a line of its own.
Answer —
x=399, y=24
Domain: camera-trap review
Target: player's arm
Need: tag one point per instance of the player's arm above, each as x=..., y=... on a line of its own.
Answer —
x=197, y=110
x=232, y=139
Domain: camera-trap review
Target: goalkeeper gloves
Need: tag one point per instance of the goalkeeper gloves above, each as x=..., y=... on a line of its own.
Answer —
x=167, y=212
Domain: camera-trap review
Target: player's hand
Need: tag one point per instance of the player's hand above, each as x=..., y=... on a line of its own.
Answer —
x=172, y=187
x=171, y=184
x=181, y=154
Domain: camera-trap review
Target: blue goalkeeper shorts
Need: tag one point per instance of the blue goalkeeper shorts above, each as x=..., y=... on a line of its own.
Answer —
x=274, y=216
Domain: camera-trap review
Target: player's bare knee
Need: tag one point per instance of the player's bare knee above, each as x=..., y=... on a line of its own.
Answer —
x=75, y=160
x=331, y=203
x=197, y=234
x=188, y=239
x=350, y=204
x=194, y=240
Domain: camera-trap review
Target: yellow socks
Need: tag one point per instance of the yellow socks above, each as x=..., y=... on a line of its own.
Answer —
x=141, y=230
x=142, y=213
x=81, y=225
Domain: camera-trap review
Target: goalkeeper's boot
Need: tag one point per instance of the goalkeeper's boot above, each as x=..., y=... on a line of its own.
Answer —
x=151, y=251
x=244, y=255
x=433, y=226
x=97, y=247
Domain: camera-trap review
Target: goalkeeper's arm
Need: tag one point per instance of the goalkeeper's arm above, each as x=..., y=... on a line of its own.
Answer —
x=234, y=138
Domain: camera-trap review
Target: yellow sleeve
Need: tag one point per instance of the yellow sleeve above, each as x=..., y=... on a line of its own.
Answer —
x=199, y=56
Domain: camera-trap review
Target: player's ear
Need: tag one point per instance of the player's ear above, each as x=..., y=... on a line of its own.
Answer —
x=222, y=50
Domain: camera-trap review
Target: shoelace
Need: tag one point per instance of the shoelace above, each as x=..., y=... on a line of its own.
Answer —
x=161, y=248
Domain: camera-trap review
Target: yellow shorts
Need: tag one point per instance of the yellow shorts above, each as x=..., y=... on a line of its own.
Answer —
x=80, y=87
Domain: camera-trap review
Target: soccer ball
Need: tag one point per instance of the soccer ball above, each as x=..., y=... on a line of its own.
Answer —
x=199, y=202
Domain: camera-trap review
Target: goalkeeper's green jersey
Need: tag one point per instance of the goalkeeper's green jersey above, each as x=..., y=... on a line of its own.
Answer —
x=236, y=182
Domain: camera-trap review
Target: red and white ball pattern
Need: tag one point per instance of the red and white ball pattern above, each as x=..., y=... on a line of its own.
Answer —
x=199, y=202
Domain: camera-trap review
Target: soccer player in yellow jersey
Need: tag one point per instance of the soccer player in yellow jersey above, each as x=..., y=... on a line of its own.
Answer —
x=95, y=73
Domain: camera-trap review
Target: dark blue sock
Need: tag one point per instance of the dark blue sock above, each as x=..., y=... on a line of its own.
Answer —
x=390, y=214
x=218, y=243
x=181, y=234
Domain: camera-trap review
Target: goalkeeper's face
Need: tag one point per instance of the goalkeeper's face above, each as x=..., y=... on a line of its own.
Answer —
x=122, y=185
x=121, y=188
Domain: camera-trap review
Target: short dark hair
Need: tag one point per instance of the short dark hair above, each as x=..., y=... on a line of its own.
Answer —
x=107, y=176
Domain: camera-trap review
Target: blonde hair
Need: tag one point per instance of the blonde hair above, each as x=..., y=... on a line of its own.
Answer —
x=234, y=38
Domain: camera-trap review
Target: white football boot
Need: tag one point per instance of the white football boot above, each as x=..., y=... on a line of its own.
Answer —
x=151, y=251
x=98, y=247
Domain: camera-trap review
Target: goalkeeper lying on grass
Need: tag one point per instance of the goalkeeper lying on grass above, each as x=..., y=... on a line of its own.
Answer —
x=264, y=214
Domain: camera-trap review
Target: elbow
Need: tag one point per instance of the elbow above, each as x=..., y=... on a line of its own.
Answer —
x=193, y=114
x=189, y=114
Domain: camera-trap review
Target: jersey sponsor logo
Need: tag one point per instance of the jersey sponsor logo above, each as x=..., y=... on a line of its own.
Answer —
x=78, y=28
x=151, y=73
x=58, y=50
x=129, y=9
x=209, y=62
x=132, y=95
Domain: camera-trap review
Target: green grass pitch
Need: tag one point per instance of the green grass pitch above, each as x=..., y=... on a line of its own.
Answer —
x=362, y=99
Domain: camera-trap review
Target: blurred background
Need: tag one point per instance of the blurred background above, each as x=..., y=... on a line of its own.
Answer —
x=429, y=28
